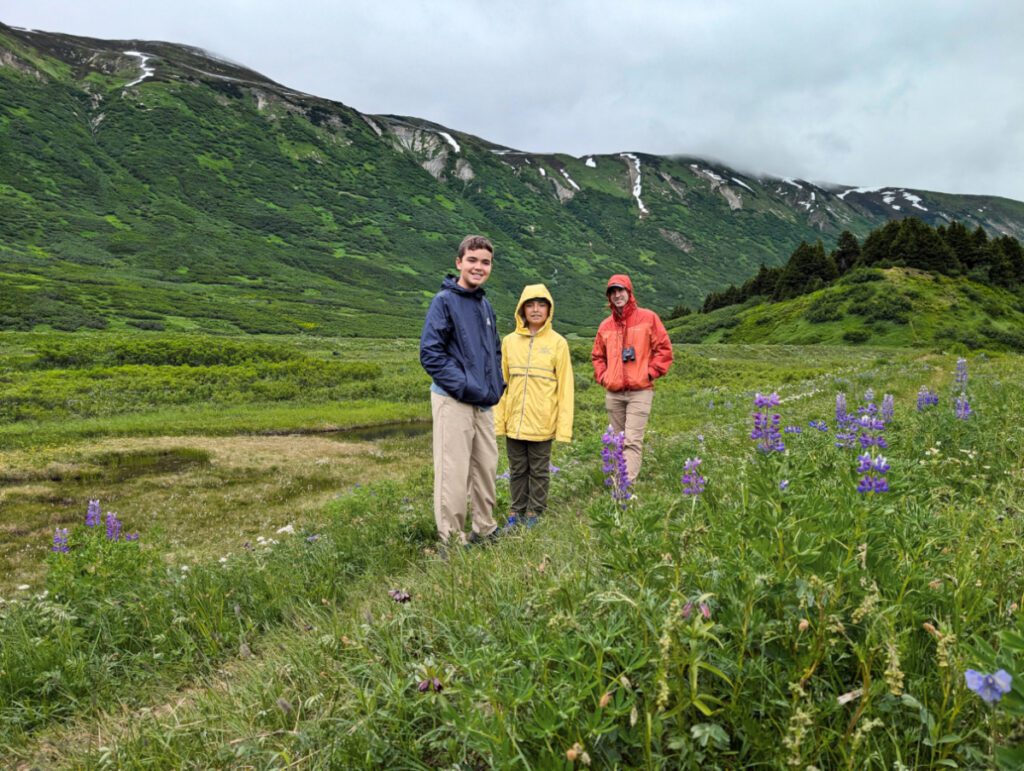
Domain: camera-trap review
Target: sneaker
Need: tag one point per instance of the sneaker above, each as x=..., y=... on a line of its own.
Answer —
x=512, y=524
x=531, y=522
x=476, y=540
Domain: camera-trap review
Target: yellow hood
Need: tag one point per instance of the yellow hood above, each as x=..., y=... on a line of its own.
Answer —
x=532, y=292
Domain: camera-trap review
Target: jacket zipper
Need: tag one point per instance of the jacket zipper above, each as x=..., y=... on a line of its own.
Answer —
x=526, y=382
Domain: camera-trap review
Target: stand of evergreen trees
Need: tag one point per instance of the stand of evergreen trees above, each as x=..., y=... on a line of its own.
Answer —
x=910, y=243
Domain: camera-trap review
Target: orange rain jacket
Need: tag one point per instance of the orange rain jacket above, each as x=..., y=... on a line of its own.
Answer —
x=538, y=403
x=634, y=327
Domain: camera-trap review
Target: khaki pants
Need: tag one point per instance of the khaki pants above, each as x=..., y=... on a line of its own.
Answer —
x=465, y=467
x=628, y=411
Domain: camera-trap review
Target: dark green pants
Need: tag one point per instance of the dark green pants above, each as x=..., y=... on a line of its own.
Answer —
x=529, y=473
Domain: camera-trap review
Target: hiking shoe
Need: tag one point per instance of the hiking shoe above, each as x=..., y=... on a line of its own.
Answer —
x=477, y=540
x=531, y=522
x=512, y=524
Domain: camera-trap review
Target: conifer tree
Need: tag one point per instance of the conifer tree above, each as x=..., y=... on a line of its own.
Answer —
x=847, y=252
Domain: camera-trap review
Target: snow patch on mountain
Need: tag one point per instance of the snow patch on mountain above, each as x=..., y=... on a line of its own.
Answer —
x=793, y=182
x=743, y=184
x=634, y=173
x=542, y=172
x=590, y=162
x=450, y=140
x=147, y=72
x=842, y=196
x=569, y=179
x=915, y=200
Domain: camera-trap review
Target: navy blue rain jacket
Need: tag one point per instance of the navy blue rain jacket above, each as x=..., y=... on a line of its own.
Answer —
x=460, y=348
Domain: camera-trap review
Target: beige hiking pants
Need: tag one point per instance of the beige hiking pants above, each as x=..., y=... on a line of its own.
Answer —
x=628, y=411
x=465, y=467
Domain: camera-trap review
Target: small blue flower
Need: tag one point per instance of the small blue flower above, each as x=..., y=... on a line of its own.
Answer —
x=60, y=540
x=92, y=514
x=784, y=485
x=991, y=688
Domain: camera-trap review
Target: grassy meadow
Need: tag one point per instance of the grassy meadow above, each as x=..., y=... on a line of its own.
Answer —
x=281, y=487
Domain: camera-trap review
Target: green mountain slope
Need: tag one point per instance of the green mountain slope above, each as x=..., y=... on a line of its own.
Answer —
x=153, y=186
x=893, y=306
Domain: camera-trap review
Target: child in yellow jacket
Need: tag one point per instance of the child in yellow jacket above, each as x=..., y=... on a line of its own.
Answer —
x=537, y=406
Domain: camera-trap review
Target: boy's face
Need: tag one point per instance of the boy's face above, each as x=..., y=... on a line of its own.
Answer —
x=536, y=313
x=474, y=267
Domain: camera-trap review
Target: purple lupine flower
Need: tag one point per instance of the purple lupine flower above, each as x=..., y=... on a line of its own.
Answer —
x=926, y=398
x=888, y=408
x=784, y=485
x=131, y=537
x=869, y=395
x=553, y=469
x=991, y=688
x=60, y=540
x=793, y=430
x=874, y=469
x=92, y=514
x=963, y=407
x=766, y=428
x=504, y=475
x=821, y=425
x=399, y=596
x=961, y=373
x=113, y=526
x=691, y=480
x=614, y=466
x=840, y=407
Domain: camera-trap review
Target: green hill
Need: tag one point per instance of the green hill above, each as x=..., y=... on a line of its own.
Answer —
x=147, y=185
x=889, y=307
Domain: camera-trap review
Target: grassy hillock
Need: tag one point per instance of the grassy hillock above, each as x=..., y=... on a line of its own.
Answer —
x=890, y=307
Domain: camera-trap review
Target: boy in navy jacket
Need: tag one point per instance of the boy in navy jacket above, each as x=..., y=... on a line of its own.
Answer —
x=461, y=351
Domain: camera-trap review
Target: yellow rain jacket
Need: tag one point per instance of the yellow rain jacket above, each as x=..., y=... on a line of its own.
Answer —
x=538, y=403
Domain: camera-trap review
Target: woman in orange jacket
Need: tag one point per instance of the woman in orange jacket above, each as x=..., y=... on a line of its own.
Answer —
x=630, y=352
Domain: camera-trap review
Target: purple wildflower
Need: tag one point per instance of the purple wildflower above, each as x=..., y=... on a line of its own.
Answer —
x=614, y=466
x=821, y=425
x=504, y=475
x=784, y=485
x=704, y=608
x=692, y=481
x=963, y=407
x=92, y=514
x=430, y=684
x=399, y=596
x=131, y=537
x=926, y=398
x=840, y=406
x=888, y=408
x=961, y=373
x=60, y=540
x=700, y=438
x=113, y=526
x=553, y=469
x=793, y=430
x=869, y=395
x=313, y=538
x=874, y=469
x=766, y=428
x=991, y=688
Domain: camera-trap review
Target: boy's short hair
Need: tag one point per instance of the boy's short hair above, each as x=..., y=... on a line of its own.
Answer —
x=474, y=242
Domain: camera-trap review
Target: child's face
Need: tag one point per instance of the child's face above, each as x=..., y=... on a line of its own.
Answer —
x=474, y=267
x=536, y=312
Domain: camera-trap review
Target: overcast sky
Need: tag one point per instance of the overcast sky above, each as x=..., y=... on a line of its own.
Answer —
x=902, y=92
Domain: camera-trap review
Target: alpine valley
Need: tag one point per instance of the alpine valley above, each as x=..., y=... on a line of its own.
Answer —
x=152, y=185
